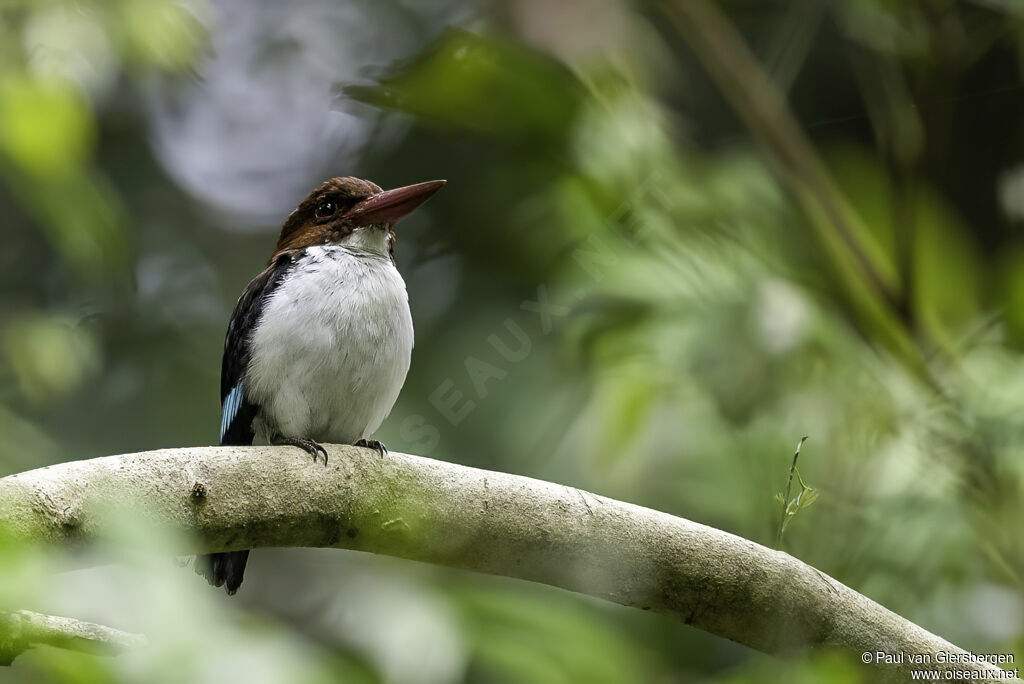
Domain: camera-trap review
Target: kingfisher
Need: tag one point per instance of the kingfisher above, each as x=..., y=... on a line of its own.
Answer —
x=320, y=341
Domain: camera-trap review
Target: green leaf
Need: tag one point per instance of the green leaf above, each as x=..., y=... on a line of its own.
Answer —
x=482, y=83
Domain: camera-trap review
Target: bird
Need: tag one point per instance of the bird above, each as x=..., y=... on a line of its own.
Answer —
x=319, y=343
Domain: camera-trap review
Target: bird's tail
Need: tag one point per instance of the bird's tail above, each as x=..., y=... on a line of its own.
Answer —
x=223, y=569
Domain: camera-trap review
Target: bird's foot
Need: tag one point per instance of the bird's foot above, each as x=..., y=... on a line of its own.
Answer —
x=372, y=444
x=310, y=446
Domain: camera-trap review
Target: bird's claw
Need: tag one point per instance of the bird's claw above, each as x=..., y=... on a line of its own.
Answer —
x=373, y=444
x=311, y=447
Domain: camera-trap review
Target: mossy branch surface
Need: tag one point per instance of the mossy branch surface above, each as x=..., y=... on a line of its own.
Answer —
x=231, y=498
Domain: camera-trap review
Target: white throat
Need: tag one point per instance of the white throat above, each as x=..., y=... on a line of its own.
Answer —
x=368, y=239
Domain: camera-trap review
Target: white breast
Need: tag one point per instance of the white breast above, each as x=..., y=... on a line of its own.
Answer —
x=331, y=350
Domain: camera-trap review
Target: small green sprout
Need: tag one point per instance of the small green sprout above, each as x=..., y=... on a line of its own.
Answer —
x=804, y=498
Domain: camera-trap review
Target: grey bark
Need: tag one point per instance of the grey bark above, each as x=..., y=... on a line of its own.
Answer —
x=249, y=497
x=22, y=630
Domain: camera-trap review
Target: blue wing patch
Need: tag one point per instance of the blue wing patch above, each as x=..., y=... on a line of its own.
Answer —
x=229, y=409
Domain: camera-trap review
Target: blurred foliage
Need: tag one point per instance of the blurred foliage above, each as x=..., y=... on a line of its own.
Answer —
x=547, y=638
x=486, y=85
x=658, y=311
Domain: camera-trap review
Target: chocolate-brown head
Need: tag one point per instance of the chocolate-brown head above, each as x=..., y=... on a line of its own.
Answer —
x=351, y=210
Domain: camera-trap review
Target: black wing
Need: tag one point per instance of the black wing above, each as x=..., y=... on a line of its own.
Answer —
x=237, y=412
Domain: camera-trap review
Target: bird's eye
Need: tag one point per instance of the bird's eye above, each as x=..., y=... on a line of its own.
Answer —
x=326, y=209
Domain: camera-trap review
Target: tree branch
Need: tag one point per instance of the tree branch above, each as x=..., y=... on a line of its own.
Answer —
x=21, y=630
x=443, y=513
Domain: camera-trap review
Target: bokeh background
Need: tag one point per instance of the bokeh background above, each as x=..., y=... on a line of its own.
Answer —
x=676, y=238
